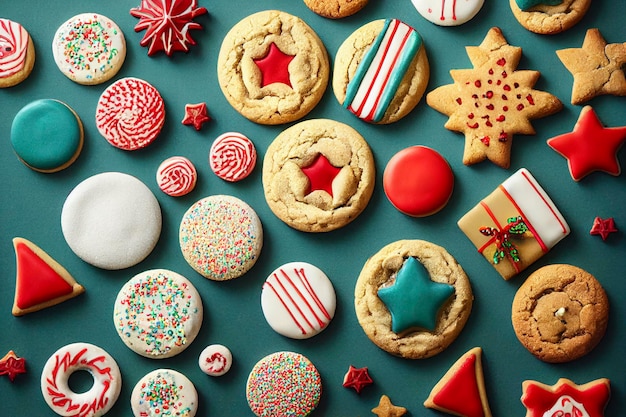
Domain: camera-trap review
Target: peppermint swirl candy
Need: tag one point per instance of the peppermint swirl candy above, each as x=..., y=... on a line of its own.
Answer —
x=232, y=156
x=176, y=176
x=13, y=46
x=130, y=114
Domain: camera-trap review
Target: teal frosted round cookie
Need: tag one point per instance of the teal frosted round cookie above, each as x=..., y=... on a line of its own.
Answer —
x=47, y=135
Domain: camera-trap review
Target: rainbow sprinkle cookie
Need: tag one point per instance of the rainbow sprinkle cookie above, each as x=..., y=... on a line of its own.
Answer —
x=165, y=393
x=221, y=237
x=283, y=384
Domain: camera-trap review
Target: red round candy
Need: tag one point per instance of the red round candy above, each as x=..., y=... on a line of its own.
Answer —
x=418, y=181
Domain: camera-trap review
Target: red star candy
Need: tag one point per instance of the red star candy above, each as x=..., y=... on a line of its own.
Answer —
x=274, y=66
x=11, y=365
x=590, y=146
x=196, y=115
x=357, y=378
x=566, y=398
x=321, y=175
x=603, y=227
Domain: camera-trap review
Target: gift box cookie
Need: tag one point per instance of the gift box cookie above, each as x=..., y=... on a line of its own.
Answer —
x=514, y=225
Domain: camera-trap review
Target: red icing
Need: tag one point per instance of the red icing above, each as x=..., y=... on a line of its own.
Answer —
x=539, y=398
x=418, y=181
x=11, y=365
x=590, y=146
x=37, y=281
x=196, y=115
x=603, y=227
x=274, y=66
x=357, y=378
x=461, y=394
x=321, y=175
x=216, y=363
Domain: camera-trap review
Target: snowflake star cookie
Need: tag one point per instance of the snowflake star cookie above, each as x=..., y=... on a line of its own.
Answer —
x=492, y=101
x=565, y=398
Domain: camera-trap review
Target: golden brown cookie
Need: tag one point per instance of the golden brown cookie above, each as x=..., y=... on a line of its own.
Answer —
x=492, y=101
x=412, y=299
x=272, y=67
x=18, y=53
x=597, y=67
x=560, y=313
x=335, y=9
x=381, y=71
x=318, y=175
x=548, y=17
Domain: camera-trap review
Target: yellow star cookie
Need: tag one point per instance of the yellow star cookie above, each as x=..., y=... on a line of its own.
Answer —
x=492, y=101
x=597, y=67
x=387, y=409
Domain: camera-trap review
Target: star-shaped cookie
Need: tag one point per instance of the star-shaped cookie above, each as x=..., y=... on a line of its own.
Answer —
x=492, y=101
x=590, y=146
x=597, y=67
x=386, y=409
x=11, y=365
x=566, y=398
x=196, y=115
x=357, y=378
x=603, y=227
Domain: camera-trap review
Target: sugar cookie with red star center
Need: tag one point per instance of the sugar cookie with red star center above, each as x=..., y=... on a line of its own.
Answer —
x=276, y=73
x=318, y=175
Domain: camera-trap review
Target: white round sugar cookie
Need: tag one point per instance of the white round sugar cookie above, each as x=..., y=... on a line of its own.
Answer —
x=215, y=360
x=448, y=12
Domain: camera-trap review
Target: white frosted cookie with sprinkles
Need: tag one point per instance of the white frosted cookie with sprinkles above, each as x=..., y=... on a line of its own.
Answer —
x=176, y=176
x=381, y=71
x=232, y=156
x=89, y=48
x=221, y=237
x=17, y=53
x=448, y=12
x=164, y=392
x=298, y=300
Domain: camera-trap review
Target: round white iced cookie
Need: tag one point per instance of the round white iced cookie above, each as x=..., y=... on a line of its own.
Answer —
x=164, y=392
x=298, y=300
x=448, y=12
x=158, y=313
x=75, y=357
x=111, y=220
x=215, y=360
x=89, y=48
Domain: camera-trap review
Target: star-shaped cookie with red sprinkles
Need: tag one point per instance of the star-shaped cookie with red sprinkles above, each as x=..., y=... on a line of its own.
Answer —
x=492, y=101
x=565, y=398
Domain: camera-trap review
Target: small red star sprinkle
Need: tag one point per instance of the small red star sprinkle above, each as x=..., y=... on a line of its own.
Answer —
x=603, y=227
x=11, y=365
x=590, y=146
x=196, y=115
x=566, y=398
x=357, y=378
x=321, y=175
x=274, y=66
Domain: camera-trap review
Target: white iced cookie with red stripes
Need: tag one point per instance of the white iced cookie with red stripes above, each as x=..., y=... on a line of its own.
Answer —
x=176, y=176
x=17, y=53
x=381, y=71
x=232, y=156
x=298, y=300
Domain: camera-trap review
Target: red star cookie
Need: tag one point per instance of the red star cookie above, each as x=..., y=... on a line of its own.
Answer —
x=357, y=378
x=196, y=115
x=274, y=66
x=566, y=398
x=11, y=365
x=603, y=227
x=321, y=175
x=590, y=146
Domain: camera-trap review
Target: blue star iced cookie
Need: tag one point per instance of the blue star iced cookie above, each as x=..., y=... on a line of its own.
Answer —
x=412, y=299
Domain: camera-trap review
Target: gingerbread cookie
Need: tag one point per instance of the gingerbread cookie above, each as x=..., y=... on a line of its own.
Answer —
x=565, y=398
x=492, y=101
x=412, y=299
x=381, y=71
x=318, y=175
x=560, y=313
x=276, y=73
x=17, y=53
x=448, y=13
x=548, y=17
x=335, y=9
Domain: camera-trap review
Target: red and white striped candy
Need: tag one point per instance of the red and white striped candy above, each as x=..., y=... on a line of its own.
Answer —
x=176, y=176
x=232, y=156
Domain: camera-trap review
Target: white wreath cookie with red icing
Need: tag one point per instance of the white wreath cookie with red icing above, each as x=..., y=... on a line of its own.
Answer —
x=381, y=71
x=448, y=12
x=98, y=400
x=130, y=114
x=164, y=392
x=17, y=53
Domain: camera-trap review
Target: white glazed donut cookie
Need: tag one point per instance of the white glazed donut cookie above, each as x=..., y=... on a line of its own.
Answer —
x=158, y=313
x=111, y=220
x=298, y=300
x=164, y=392
x=97, y=401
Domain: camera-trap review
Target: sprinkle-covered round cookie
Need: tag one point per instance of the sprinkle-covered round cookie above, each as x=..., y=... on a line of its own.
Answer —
x=298, y=300
x=283, y=384
x=418, y=181
x=158, y=313
x=17, y=53
x=176, y=176
x=111, y=220
x=221, y=237
x=47, y=135
x=130, y=114
x=215, y=360
x=89, y=48
x=164, y=393
x=232, y=156
x=448, y=12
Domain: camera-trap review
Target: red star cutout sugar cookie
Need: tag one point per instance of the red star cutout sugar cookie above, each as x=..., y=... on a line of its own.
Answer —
x=603, y=227
x=196, y=115
x=566, y=398
x=590, y=146
x=321, y=175
x=386, y=409
x=493, y=101
x=274, y=66
x=357, y=378
x=11, y=365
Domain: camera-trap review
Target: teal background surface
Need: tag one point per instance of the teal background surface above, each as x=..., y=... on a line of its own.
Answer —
x=30, y=207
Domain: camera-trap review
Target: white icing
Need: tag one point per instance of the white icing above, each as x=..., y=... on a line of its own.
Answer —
x=215, y=360
x=171, y=392
x=111, y=220
x=448, y=12
x=298, y=300
x=565, y=406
